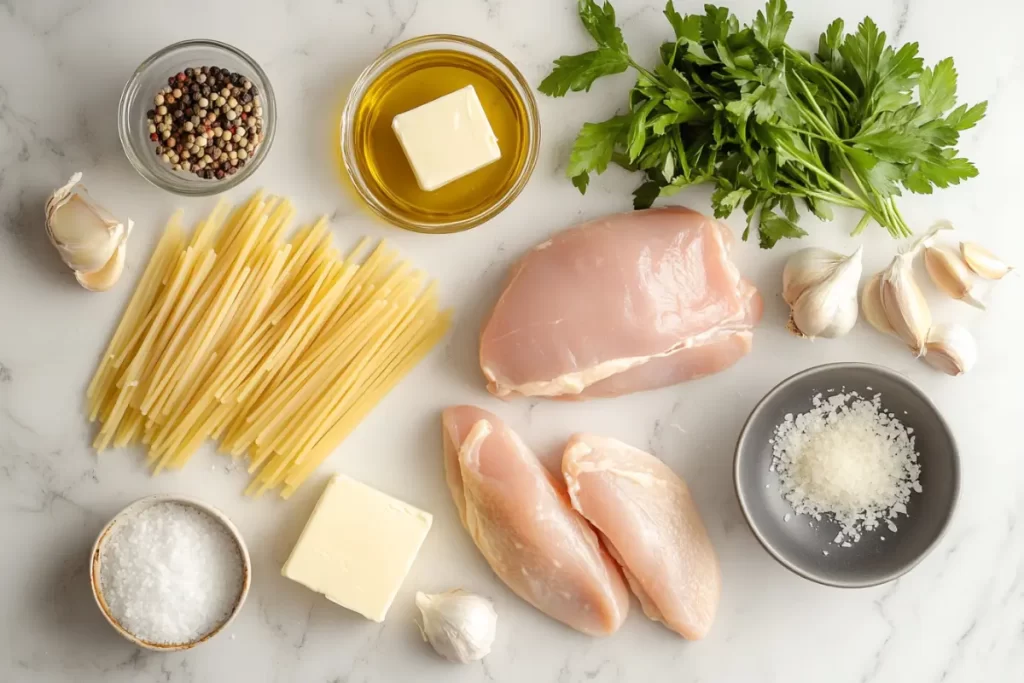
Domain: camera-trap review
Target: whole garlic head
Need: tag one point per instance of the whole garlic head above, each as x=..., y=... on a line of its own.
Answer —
x=90, y=240
x=820, y=287
x=460, y=626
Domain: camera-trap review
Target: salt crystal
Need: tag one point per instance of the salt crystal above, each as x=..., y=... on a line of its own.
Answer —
x=824, y=552
x=847, y=458
x=787, y=517
x=170, y=574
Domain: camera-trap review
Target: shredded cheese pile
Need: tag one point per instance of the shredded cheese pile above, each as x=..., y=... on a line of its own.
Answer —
x=849, y=458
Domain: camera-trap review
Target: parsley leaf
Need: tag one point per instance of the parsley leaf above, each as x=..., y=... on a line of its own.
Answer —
x=964, y=117
x=578, y=72
x=774, y=227
x=599, y=20
x=937, y=90
x=772, y=25
x=644, y=196
x=594, y=147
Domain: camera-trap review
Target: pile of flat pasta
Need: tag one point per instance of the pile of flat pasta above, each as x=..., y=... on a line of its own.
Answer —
x=276, y=349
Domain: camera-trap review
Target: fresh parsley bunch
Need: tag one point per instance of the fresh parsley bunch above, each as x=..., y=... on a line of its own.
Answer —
x=772, y=127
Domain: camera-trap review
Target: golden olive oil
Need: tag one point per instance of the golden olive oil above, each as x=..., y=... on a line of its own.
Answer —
x=416, y=80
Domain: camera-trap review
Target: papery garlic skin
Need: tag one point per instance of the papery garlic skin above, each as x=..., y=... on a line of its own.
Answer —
x=951, y=349
x=89, y=239
x=821, y=288
x=806, y=268
x=950, y=274
x=460, y=626
x=904, y=304
x=983, y=262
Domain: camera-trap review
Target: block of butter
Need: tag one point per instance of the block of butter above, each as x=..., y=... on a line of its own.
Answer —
x=447, y=138
x=357, y=547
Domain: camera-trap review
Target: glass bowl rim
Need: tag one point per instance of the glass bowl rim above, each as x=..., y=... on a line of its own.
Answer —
x=372, y=72
x=187, y=186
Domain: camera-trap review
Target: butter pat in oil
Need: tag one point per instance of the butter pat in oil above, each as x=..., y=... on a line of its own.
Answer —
x=447, y=138
x=357, y=547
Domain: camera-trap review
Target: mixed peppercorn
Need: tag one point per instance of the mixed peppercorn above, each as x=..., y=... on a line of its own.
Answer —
x=207, y=121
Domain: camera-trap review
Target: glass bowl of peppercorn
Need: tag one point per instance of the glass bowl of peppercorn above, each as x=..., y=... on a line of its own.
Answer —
x=197, y=118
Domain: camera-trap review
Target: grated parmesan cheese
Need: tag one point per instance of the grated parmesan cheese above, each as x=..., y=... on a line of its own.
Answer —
x=847, y=458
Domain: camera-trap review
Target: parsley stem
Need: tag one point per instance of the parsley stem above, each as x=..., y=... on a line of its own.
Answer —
x=821, y=118
x=801, y=131
x=830, y=197
x=828, y=177
x=861, y=224
x=796, y=56
x=647, y=74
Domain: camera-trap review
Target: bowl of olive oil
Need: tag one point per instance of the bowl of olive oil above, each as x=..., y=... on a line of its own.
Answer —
x=412, y=74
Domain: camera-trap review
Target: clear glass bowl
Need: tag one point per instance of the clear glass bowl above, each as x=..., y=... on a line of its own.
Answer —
x=397, y=53
x=137, y=99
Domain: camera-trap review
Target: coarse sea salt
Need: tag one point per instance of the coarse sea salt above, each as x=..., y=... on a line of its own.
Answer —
x=170, y=574
x=847, y=458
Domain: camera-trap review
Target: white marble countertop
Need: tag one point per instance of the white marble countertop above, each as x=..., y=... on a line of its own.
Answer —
x=959, y=616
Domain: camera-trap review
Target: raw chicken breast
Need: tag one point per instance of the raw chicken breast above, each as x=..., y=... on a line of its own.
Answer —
x=651, y=526
x=621, y=304
x=519, y=516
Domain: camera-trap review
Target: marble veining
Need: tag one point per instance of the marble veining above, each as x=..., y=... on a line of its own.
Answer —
x=958, y=617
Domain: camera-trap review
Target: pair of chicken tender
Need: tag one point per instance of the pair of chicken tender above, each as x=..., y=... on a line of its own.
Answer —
x=536, y=533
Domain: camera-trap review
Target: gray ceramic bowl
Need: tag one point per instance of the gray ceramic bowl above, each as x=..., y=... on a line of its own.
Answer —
x=799, y=545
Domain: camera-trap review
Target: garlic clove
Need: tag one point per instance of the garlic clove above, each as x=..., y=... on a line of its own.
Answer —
x=871, y=304
x=106, y=277
x=827, y=307
x=983, y=262
x=950, y=274
x=86, y=235
x=951, y=349
x=460, y=626
x=904, y=304
x=806, y=268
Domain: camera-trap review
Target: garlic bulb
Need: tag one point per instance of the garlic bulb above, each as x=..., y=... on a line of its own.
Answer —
x=89, y=239
x=460, y=626
x=820, y=287
x=983, y=262
x=951, y=349
x=950, y=274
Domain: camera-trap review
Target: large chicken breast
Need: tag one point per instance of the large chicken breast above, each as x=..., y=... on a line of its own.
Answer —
x=651, y=527
x=519, y=516
x=624, y=303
